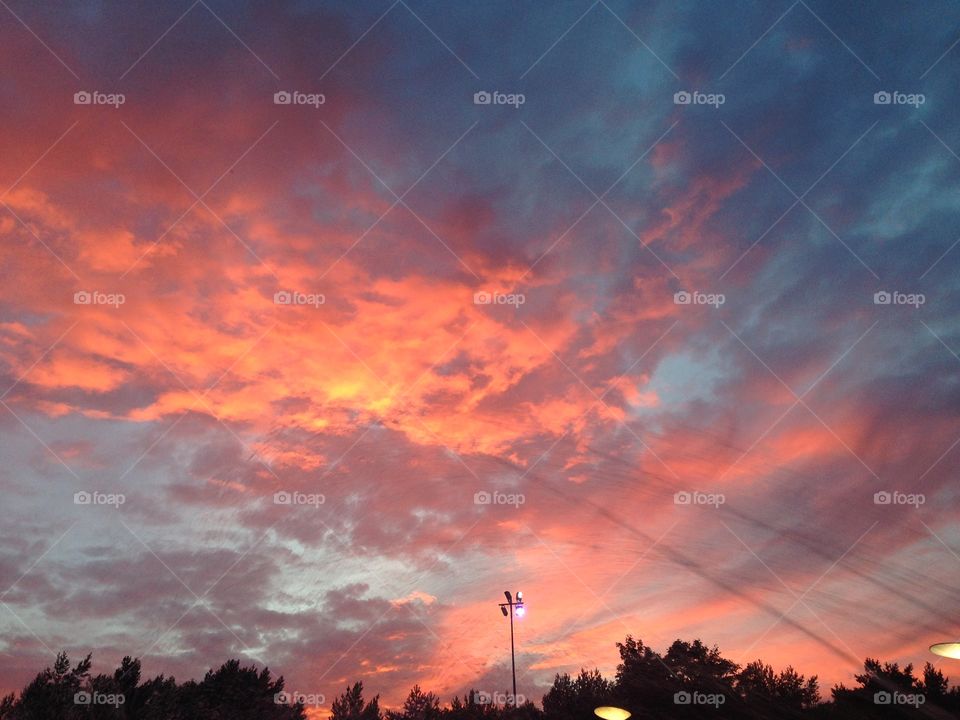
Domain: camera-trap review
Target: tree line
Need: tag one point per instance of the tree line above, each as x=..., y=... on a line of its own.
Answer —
x=689, y=680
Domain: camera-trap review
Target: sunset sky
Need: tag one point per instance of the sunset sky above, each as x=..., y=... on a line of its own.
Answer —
x=148, y=357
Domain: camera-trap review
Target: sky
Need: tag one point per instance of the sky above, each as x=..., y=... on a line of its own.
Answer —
x=324, y=323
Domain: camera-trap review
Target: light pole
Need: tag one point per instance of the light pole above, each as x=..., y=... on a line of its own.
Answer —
x=510, y=608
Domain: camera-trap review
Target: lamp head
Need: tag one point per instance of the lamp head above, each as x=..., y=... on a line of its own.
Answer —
x=946, y=649
x=611, y=713
x=504, y=611
x=508, y=596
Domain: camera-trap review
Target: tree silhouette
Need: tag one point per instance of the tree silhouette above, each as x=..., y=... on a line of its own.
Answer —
x=575, y=699
x=889, y=691
x=237, y=693
x=418, y=706
x=682, y=682
x=644, y=680
x=469, y=708
x=232, y=692
x=764, y=690
x=350, y=705
x=51, y=694
x=687, y=681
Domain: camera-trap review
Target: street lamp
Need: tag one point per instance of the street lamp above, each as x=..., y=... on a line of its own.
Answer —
x=608, y=712
x=510, y=608
x=946, y=649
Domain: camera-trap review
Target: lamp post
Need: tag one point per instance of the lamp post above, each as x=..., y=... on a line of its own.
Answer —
x=510, y=608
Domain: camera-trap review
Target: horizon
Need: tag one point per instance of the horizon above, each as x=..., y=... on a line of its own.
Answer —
x=323, y=324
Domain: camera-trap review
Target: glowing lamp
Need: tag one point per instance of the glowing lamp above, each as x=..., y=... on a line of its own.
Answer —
x=611, y=713
x=947, y=649
x=520, y=611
